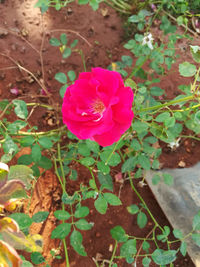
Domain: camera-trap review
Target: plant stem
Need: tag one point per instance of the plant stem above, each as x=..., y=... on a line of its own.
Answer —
x=173, y=102
x=113, y=254
x=137, y=68
x=66, y=253
x=143, y=202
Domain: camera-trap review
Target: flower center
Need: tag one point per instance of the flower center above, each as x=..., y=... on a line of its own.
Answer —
x=98, y=106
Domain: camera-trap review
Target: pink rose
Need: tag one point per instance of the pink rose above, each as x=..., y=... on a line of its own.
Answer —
x=98, y=106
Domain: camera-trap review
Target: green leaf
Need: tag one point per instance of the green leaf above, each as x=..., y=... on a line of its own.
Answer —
x=83, y=2
x=62, y=215
x=112, y=159
x=26, y=264
x=187, y=69
x=156, y=91
x=27, y=141
x=146, y=261
x=129, y=164
x=81, y=211
x=135, y=145
x=76, y=242
x=37, y=258
x=73, y=175
x=22, y=219
x=54, y=42
x=67, y=52
x=141, y=219
x=63, y=90
x=61, y=231
x=83, y=150
x=140, y=127
x=63, y=38
x=9, y=146
x=144, y=162
x=133, y=209
x=169, y=122
x=118, y=233
x=162, y=257
x=195, y=51
x=36, y=171
x=197, y=117
x=45, y=163
x=112, y=199
x=88, y=161
x=196, y=239
x=36, y=153
x=82, y=224
x=61, y=77
x=128, y=249
x=93, y=146
x=45, y=142
x=17, y=125
x=183, y=248
x=105, y=181
x=25, y=159
x=105, y=169
x=162, y=117
x=74, y=43
x=196, y=222
x=168, y=179
x=101, y=204
x=40, y=216
x=146, y=246
x=20, y=108
x=177, y=233
x=71, y=75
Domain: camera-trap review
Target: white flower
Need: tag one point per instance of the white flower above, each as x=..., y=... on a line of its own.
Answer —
x=148, y=40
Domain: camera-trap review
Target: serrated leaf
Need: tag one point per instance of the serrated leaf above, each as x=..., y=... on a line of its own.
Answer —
x=129, y=164
x=196, y=222
x=63, y=90
x=61, y=231
x=144, y=162
x=54, y=42
x=146, y=261
x=71, y=75
x=67, y=52
x=112, y=199
x=196, y=239
x=105, y=181
x=45, y=163
x=101, y=205
x=40, y=216
x=36, y=153
x=81, y=211
x=145, y=246
x=82, y=224
x=37, y=258
x=183, y=248
x=45, y=142
x=118, y=233
x=133, y=209
x=105, y=169
x=128, y=249
x=87, y=161
x=20, y=108
x=62, y=215
x=187, y=69
x=63, y=38
x=177, y=233
x=162, y=257
x=76, y=242
x=22, y=219
x=141, y=219
x=61, y=77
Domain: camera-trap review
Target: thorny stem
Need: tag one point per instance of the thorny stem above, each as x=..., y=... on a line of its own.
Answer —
x=143, y=202
x=173, y=102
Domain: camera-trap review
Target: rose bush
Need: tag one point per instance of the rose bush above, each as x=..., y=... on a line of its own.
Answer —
x=98, y=106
